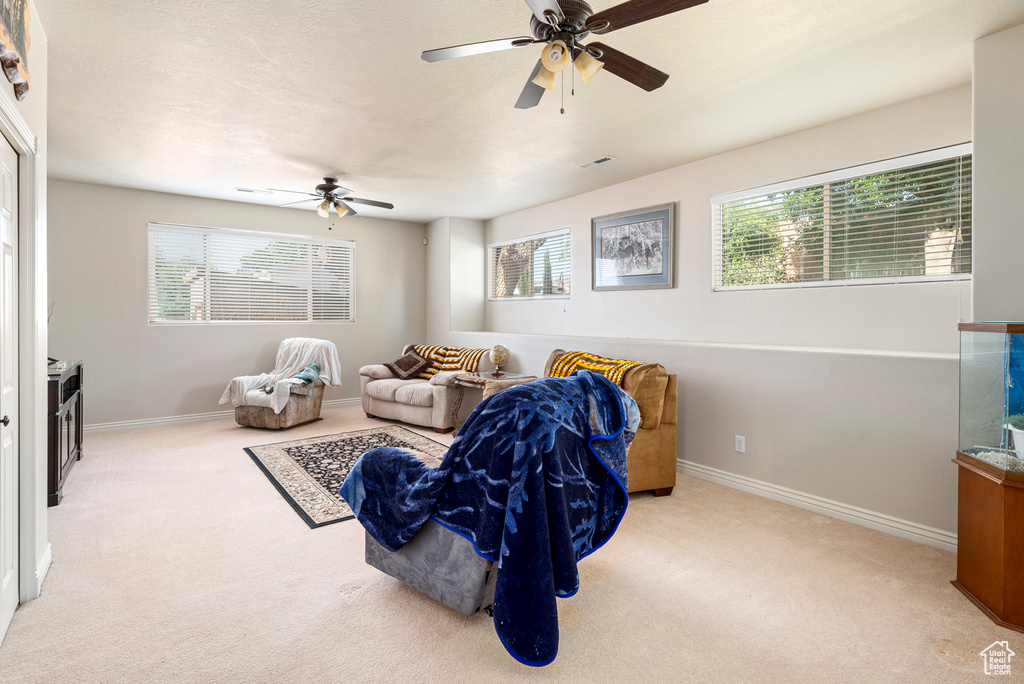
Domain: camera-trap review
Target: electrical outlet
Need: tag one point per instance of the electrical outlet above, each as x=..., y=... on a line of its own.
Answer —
x=741, y=444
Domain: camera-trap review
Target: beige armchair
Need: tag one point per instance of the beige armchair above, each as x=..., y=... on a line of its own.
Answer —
x=291, y=402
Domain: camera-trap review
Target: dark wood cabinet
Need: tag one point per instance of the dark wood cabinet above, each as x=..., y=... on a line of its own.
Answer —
x=64, y=438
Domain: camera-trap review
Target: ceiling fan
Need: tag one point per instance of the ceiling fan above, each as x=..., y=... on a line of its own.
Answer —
x=561, y=25
x=330, y=194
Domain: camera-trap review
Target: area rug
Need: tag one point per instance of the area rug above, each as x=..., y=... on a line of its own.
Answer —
x=308, y=472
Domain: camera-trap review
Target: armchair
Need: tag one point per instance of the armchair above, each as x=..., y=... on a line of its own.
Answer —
x=536, y=478
x=652, y=458
x=291, y=401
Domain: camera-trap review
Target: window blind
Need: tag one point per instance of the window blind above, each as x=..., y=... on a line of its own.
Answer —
x=534, y=266
x=905, y=220
x=210, y=275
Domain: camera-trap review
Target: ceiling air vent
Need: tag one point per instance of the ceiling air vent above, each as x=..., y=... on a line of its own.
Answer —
x=596, y=162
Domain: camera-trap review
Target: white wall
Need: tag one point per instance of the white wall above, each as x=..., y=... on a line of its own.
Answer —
x=134, y=371
x=999, y=176
x=468, y=269
x=847, y=393
x=439, y=276
x=917, y=317
x=34, y=544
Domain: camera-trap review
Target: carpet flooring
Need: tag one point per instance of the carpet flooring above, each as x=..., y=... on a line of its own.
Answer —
x=174, y=560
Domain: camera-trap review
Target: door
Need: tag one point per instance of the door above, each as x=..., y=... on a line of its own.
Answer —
x=8, y=384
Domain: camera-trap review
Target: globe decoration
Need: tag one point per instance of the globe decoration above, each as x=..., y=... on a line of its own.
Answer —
x=500, y=355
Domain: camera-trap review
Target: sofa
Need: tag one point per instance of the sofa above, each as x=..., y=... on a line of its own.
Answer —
x=651, y=462
x=425, y=401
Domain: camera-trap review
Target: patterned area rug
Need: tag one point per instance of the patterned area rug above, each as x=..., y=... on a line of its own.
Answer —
x=308, y=472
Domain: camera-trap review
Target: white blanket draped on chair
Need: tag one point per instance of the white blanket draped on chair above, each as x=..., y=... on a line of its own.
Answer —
x=293, y=355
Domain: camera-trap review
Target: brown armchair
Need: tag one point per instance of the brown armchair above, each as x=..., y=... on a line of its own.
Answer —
x=651, y=460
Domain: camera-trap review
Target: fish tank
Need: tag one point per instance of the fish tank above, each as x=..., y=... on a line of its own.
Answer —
x=992, y=394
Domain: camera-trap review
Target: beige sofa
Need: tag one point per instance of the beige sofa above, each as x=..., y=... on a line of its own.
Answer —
x=416, y=401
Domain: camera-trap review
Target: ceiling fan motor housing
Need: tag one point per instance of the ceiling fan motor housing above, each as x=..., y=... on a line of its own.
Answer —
x=330, y=186
x=575, y=14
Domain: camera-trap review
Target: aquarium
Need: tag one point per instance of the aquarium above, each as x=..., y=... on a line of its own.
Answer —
x=992, y=393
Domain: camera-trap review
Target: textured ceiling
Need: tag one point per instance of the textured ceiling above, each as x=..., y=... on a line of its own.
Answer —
x=200, y=96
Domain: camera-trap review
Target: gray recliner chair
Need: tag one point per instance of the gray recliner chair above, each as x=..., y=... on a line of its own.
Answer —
x=441, y=564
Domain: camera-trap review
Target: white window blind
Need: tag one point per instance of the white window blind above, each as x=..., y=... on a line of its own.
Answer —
x=902, y=220
x=210, y=275
x=534, y=266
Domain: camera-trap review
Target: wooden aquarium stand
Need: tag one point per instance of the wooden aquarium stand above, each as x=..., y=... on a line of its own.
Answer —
x=990, y=553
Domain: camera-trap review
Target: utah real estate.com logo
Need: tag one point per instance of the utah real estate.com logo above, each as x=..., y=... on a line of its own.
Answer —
x=997, y=658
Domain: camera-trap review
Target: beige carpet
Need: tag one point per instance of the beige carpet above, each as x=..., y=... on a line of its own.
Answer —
x=175, y=560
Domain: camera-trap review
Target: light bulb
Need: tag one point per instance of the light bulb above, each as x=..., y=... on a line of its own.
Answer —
x=342, y=210
x=324, y=210
x=555, y=56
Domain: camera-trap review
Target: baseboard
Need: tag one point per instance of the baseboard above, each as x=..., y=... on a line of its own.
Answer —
x=922, y=534
x=338, y=403
x=124, y=425
x=43, y=567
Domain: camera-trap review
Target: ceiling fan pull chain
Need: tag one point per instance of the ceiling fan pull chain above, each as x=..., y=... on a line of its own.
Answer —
x=563, y=94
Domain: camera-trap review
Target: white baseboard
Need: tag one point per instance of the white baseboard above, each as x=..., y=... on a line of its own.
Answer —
x=43, y=567
x=338, y=403
x=922, y=534
x=124, y=425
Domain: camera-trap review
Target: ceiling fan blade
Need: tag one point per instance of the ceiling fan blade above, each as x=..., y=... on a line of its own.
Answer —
x=530, y=97
x=630, y=69
x=351, y=211
x=292, y=204
x=542, y=7
x=372, y=203
x=294, y=192
x=634, y=12
x=442, y=54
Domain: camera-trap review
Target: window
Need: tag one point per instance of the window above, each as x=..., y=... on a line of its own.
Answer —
x=210, y=275
x=903, y=220
x=535, y=266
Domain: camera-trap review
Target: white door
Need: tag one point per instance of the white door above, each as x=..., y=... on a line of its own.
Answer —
x=8, y=384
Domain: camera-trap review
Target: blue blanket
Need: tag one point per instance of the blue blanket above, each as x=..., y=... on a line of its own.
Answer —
x=536, y=479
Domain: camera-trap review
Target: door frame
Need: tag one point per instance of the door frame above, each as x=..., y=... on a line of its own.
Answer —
x=33, y=542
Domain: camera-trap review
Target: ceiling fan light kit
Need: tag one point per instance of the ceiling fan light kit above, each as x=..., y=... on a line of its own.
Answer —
x=330, y=194
x=561, y=25
x=555, y=57
x=545, y=79
x=587, y=66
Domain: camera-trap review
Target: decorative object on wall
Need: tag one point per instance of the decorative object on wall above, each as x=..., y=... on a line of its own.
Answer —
x=14, y=44
x=560, y=25
x=331, y=195
x=500, y=355
x=633, y=250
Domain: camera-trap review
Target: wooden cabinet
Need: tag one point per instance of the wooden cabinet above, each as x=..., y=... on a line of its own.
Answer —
x=64, y=438
x=990, y=553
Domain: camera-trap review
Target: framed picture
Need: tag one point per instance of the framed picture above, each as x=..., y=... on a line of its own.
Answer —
x=14, y=44
x=633, y=250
